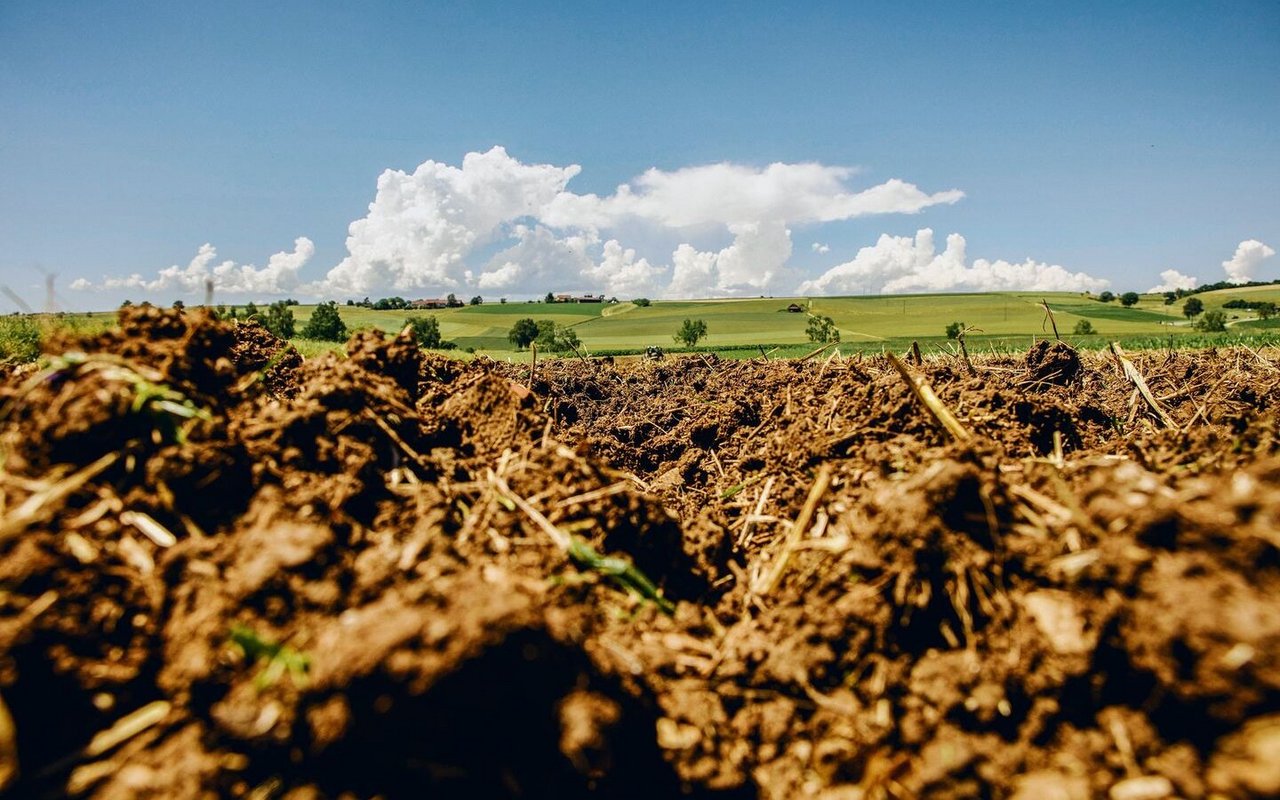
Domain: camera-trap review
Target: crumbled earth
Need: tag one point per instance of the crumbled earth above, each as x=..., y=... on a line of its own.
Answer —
x=227, y=572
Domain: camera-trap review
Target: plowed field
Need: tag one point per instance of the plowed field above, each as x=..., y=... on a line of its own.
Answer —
x=226, y=572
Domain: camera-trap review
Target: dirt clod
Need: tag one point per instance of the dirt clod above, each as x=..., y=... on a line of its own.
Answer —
x=363, y=587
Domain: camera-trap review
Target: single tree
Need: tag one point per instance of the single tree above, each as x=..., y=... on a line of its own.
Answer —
x=691, y=332
x=1266, y=310
x=350, y=302
x=1129, y=299
x=250, y=311
x=325, y=324
x=1213, y=322
x=642, y=302
x=126, y=304
x=555, y=338
x=279, y=320
x=179, y=305
x=477, y=300
x=425, y=331
x=1192, y=307
x=523, y=333
x=502, y=300
x=954, y=330
x=822, y=329
x=1084, y=328
x=567, y=338
x=546, y=334
x=1170, y=298
x=1106, y=297
x=550, y=298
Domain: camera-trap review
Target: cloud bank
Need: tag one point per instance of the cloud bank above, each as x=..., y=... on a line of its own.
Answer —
x=280, y=275
x=430, y=230
x=1243, y=266
x=907, y=264
x=496, y=226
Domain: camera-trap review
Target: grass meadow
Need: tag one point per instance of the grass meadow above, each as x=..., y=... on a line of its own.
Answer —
x=1000, y=321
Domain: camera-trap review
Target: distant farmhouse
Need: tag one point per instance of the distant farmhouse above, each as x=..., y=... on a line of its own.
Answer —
x=430, y=302
x=795, y=308
x=579, y=298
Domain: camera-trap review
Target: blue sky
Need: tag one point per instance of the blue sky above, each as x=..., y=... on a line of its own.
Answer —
x=1114, y=141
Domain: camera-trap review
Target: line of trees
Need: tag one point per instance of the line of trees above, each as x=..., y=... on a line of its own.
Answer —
x=1128, y=299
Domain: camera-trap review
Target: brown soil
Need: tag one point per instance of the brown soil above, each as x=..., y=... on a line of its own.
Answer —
x=344, y=577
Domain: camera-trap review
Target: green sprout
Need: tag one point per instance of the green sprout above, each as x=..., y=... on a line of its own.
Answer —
x=620, y=570
x=171, y=409
x=279, y=657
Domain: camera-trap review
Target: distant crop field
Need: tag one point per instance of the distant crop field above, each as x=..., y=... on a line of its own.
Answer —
x=1001, y=321
x=742, y=328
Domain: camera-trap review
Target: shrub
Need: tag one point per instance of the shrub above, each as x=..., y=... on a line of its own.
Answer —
x=279, y=320
x=425, y=331
x=19, y=339
x=556, y=338
x=954, y=330
x=1212, y=322
x=1106, y=297
x=1129, y=299
x=477, y=300
x=822, y=329
x=1084, y=328
x=691, y=331
x=325, y=324
x=1192, y=307
x=642, y=302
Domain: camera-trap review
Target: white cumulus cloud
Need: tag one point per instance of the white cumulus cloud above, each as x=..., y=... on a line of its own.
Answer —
x=820, y=248
x=907, y=264
x=431, y=230
x=494, y=224
x=753, y=264
x=280, y=275
x=1243, y=266
x=1171, y=281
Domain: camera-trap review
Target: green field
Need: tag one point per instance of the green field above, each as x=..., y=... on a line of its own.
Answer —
x=1003, y=320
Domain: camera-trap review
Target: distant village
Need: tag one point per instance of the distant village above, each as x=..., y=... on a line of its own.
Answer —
x=453, y=302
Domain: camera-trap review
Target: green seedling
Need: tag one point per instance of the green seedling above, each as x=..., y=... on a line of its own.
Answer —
x=279, y=657
x=736, y=489
x=620, y=571
x=170, y=408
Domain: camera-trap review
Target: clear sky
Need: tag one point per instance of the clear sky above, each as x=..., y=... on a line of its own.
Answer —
x=1044, y=145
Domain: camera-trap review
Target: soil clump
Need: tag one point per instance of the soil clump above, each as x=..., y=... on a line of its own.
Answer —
x=228, y=572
